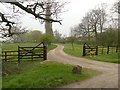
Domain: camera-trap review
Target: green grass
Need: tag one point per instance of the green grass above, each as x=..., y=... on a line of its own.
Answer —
x=14, y=46
x=77, y=51
x=43, y=75
x=50, y=47
x=113, y=58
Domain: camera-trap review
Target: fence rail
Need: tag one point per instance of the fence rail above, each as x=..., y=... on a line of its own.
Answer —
x=108, y=49
x=7, y=55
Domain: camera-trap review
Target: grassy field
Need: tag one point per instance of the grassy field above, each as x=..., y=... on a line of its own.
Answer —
x=36, y=74
x=77, y=51
x=14, y=46
x=42, y=75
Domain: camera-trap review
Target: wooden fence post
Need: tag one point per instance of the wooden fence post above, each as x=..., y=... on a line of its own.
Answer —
x=18, y=54
x=32, y=56
x=108, y=50
x=44, y=52
x=96, y=50
x=116, y=49
x=84, y=53
x=5, y=56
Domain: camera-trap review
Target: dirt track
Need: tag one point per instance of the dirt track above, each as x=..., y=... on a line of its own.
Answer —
x=108, y=78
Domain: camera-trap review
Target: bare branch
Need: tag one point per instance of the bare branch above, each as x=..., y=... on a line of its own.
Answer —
x=28, y=10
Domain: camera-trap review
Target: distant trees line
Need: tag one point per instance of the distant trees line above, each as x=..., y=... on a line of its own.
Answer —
x=108, y=37
x=32, y=37
x=37, y=36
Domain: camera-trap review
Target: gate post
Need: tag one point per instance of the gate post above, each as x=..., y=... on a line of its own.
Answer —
x=84, y=53
x=5, y=56
x=116, y=49
x=18, y=54
x=108, y=50
x=44, y=52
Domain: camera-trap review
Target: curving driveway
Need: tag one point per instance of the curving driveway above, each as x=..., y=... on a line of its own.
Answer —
x=108, y=78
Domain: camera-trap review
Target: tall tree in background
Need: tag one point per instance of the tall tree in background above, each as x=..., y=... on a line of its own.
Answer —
x=53, y=9
x=94, y=19
x=86, y=26
x=116, y=10
x=103, y=15
x=97, y=20
x=92, y=24
x=57, y=36
x=116, y=7
x=72, y=38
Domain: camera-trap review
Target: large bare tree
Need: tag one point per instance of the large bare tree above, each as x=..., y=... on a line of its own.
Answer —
x=92, y=24
x=116, y=7
x=37, y=8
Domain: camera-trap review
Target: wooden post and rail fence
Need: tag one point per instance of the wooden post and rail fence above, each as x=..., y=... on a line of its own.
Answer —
x=40, y=51
x=99, y=49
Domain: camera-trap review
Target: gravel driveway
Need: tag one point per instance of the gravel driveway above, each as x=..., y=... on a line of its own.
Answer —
x=108, y=78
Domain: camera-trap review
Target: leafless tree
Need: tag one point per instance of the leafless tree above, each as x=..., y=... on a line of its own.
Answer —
x=115, y=16
x=37, y=8
x=97, y=20
x=103, y=16
x=94, y=19
x=91, y=24
x=86, y=26
x=116, y=7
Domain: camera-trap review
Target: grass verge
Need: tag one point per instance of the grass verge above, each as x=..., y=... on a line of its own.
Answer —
x=113, y=58
x=43, y=75
x=77, y=51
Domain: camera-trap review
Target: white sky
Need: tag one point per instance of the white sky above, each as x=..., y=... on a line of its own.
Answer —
x=76, y=11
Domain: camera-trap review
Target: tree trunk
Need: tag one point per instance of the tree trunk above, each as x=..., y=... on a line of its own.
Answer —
x=88, y=33
x=96, y=36
x=48, y=28
x=48, y=24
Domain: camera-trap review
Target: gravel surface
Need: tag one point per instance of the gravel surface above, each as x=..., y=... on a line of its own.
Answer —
x=108, y=78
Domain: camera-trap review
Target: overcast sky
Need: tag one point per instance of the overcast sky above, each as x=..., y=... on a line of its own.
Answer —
x=76, y=11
